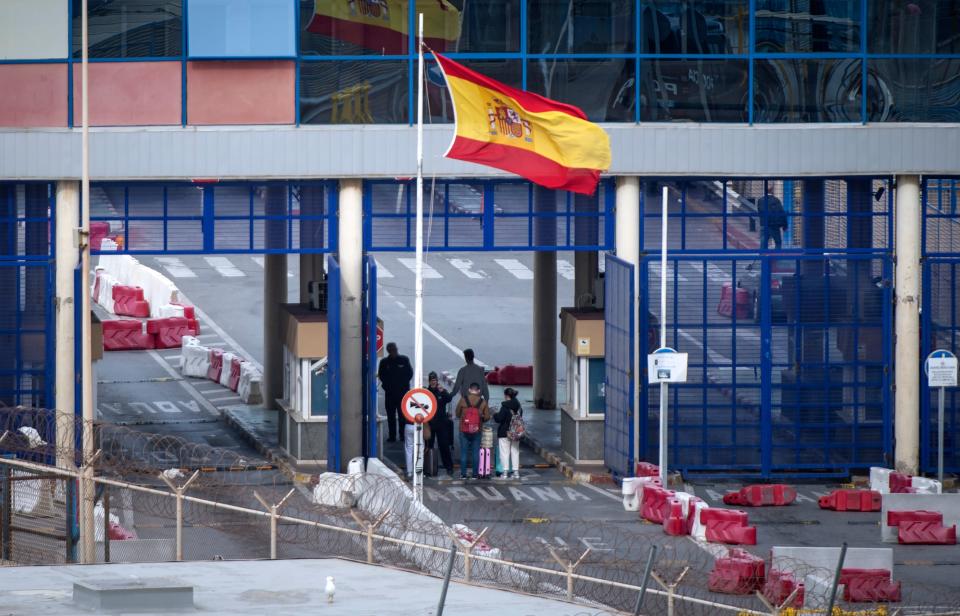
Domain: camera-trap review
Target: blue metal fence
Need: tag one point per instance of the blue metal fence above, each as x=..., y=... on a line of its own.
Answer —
x=618, y=433
x=27, y=256
x=485, y=215
x=780, y=291
x=333, y=364
x=215, y=217
x=370, y=441
x=940, y=317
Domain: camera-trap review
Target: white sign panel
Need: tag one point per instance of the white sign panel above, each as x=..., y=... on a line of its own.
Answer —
x=942, y=371
x=667, y=368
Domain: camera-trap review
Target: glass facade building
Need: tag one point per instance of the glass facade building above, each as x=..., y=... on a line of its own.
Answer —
x=733, y=61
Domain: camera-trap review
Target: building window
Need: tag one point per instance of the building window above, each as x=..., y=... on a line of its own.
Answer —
x=354, y=92
x=694, y=90
x=913, y=90
x=807, y=90
x=130, y=28
x=580, y=26
x=923, y=26
x=603, y=89
x=784, y=26
x=248, y=29
x=695, y=27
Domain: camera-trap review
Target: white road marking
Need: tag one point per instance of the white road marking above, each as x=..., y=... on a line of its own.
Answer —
x=227, y=398
x=714, y=273
x=565, y=269
x=446, y=343
x=208, y=336
x=211, y=391
x=176, y=267
x=602, y=491
x=411, y=264
x=382, y=272
x=465, y=266
x=186, y=386
x=715, y=358
x=171, y=358
x=227, y=338
x=224, y=267
x=655, y=273
x=519, y=270
x=259, y=261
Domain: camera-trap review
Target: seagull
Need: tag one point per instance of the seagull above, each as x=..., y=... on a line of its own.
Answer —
x=330, y=589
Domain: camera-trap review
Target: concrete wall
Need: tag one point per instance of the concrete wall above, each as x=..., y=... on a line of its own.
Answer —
x=131, y=93
x=388, y=150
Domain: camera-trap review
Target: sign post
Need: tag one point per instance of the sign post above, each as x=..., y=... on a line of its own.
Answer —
x=941, y=369
x=419, y=405
x=664, y=366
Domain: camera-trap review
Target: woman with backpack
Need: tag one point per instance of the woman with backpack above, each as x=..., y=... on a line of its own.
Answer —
x=510, y=429
x=472, y=411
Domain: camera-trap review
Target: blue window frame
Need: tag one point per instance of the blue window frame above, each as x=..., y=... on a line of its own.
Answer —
x=753, y=61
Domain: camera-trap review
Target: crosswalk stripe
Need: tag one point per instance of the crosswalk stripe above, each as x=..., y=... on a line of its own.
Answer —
x=714, y=273
x=382, y=272
x=519, y=270
x=655, y=270
x=224, y=267
x=411, y=264
x=176, y=267
x=565, y=269
x=466, y=266
x=259, y=261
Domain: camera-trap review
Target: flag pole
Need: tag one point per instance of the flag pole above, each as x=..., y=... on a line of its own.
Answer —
x=418, y=301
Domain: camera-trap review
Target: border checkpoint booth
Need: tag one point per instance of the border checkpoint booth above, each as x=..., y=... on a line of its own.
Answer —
x=582, y=416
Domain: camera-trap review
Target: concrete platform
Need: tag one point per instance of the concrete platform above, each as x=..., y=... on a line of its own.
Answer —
x=291, y=587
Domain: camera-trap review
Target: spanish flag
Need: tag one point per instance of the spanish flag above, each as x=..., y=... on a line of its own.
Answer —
x=383, y=25
x=549, y=143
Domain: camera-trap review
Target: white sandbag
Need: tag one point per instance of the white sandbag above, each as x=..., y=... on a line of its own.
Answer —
x=922, y=485
x=880, y=479
x=225, y=371
x=189, y=341
x=108, y=245
x=169, y=310
x=699, y=531
x=194, y=360
x=105, y=298
x=249, y=387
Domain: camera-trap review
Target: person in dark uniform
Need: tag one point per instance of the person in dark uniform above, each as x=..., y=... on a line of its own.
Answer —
x=394, y=373
x=441, y=426
x=773, y=220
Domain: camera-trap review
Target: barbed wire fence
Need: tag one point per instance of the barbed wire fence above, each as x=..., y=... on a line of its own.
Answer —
x=161, y=498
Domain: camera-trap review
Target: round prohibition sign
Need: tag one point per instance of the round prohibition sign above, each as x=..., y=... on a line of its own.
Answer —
x=419, y=405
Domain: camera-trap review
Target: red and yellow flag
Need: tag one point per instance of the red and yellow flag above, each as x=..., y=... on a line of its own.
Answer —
x=383, y=25
x=549, y=143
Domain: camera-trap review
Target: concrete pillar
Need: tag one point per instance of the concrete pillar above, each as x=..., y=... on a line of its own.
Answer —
x=586, y=263
x=545, y=302
x=907, y=250
x=312, y=236
x=350, y=254
x=68, y=259
x=628, y=249
x=274, y=294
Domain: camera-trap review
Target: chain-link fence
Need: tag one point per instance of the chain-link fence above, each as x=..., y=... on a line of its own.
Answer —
x=212, y=504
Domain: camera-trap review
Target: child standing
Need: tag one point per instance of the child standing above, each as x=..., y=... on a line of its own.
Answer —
x=510, y=429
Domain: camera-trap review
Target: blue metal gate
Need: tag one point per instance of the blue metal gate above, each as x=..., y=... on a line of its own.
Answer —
x=618, y=432
x=940, y=317
x=788, y=367
x=780, y=291
x=370, y=440
x=333, y=364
